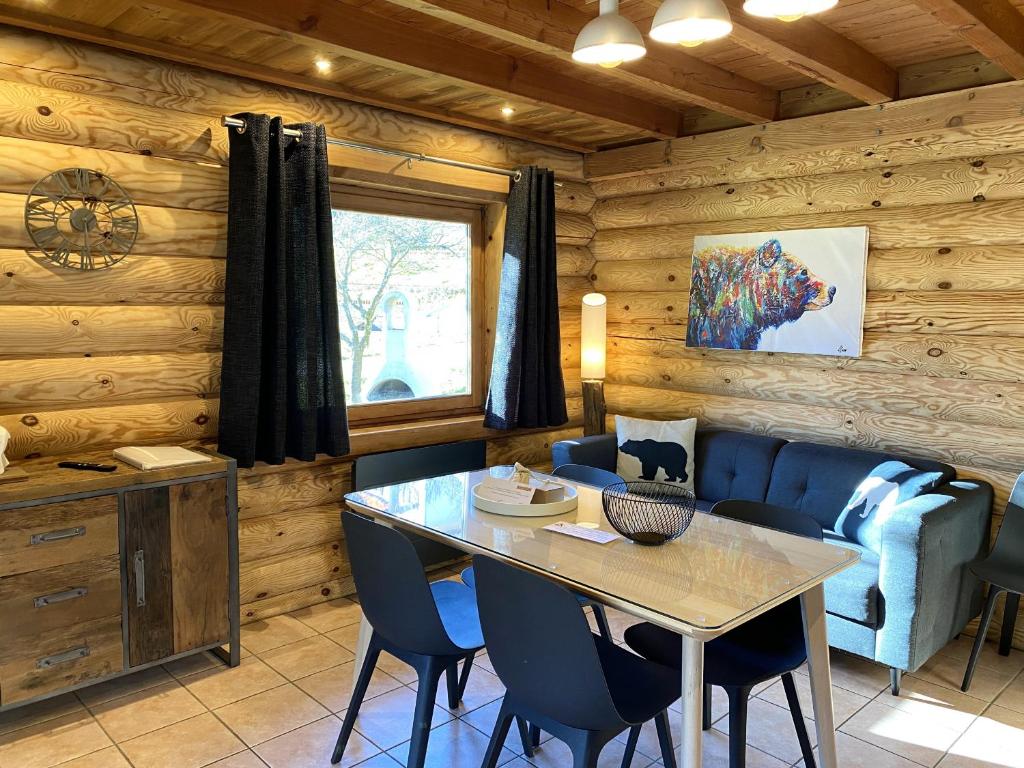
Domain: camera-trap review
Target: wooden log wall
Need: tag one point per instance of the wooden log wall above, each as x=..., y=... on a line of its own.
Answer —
x=132, y=354
x=939, y=181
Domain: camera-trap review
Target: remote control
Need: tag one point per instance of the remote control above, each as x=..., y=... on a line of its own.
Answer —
x=87, y=466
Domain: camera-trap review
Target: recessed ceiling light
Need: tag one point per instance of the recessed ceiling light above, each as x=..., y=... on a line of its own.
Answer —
x=508, y=111
x=323, y=66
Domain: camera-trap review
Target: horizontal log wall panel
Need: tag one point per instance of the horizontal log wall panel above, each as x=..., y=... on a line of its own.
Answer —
x=278, y=575
x=979, y=268
x=300, y=486
x=93, y=69
x=25, y=278
x=288, y=531
x=34, y=331
x=574, y=260
x=297, y=599
x=983, y=223
x=954, y=181
x=44, y=383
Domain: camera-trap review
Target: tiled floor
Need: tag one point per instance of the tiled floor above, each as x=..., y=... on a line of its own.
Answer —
x=281, y=708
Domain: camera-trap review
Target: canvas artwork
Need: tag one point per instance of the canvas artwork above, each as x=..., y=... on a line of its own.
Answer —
x=797, y=291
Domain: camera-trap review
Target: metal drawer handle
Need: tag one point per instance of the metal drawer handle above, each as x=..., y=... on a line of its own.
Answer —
x=61, y=658
x=67, y=533
x=59, y=597
x=139, y=561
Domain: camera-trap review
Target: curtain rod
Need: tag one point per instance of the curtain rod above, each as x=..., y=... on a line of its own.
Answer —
x=239, y=125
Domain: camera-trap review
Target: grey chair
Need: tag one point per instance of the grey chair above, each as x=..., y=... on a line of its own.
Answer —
x=1003, y=569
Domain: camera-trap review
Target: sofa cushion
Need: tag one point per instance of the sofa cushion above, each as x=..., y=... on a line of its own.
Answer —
x=661, y=451
x=818, y=480
x=853, y=593
x=733, y=465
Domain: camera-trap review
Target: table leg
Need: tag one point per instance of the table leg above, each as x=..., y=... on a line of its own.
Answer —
x=812, y=603
x=691, y=750
x=365, y=631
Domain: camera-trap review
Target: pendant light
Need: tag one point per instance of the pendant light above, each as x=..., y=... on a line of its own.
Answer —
x=691, y=22
x=609, y=39
x=787, y=10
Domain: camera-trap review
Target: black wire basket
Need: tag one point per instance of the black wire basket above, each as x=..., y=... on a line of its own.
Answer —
x=648, y=513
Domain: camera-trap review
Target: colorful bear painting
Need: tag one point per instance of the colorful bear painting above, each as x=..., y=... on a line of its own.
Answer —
x=744, y=296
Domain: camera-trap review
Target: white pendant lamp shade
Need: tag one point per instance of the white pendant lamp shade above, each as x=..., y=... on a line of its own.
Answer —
x=609, y=39
x=691, y=22
x=787, y=10
x=592, y=337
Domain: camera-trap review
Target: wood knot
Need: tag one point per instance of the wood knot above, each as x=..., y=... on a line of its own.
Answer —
x=978, y=164
x=666, y=377
x=626, y=308
x=671, y=278
x=146, y=152
x=309, y=23
x=201, y=419
x=945, y=285
x=195, y=329
x=325, y=591
x=29, y=420
x=978, y=198
x=945, y=251
x=105, y=382
x=9, y=274
x=876, y=203
x=955, y=121
x=593, y=278
x=44, y=111
x=730, y=190
x=887, y=175
x=76, y=322
x=669, y=308
x=756, y=143
x=33, y=455
x=934, y=352
x=260, y=595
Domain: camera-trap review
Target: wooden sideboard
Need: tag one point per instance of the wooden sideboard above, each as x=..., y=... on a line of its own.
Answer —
x=102, y=574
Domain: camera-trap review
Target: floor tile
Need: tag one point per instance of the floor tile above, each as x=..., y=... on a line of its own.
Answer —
x=482, y=688
x=346, y=637
x=260, y=636
x=306, y=657
x=387, y=719
x=555, y=754
x=110, y=757
x=126, y=717
x=220, y=686
x=271, y=713
x=715, y=754
x=1012, y=696
x=333, y=687
x=948, y=671
x=994, y=739
x=382, y=760
x=455, y=744
x=906, y=733
x=247, y=759
x=844, y=703
x=854, y=753
x=961, y=650
x=324, y=617
x=311, y=746
x=857, y=674
x=483, y=720
x=191, y=743
x=190, y=665
x=123, y=686
x=770, y=729
x=51, y=742
x=40, y=712
x=396, y=668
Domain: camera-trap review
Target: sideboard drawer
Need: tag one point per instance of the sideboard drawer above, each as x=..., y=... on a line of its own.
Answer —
x=34, y=538
x=60, y=658
x=58, y=597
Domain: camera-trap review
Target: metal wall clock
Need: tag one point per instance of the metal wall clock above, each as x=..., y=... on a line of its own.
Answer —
x=81, y=219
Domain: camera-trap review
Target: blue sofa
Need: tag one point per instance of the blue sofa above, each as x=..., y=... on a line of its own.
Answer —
x=898, y=605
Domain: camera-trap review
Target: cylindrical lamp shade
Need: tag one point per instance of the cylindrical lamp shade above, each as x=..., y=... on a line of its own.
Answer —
x=592, y=342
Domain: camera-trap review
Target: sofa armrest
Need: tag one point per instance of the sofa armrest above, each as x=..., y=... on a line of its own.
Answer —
x=928, y=593
x=594, y=451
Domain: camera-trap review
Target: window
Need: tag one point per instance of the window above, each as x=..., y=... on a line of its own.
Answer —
x=408, y=304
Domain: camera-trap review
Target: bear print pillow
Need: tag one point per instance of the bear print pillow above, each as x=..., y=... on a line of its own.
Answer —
x=656, y=450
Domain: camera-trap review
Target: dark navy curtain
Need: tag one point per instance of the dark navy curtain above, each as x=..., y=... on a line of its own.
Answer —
x=526, y=376
x=282, y=393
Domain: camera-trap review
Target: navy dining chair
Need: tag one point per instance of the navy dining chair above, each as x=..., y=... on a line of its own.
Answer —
x=1003, y=569
x=599, y=478
x=431, y=627
x=766, y=647
x=558, y=675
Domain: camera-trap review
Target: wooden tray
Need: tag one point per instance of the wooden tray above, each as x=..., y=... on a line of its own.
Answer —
x=568, y=504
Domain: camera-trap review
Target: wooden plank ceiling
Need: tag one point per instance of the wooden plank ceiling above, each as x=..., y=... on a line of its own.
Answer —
x=462, y=61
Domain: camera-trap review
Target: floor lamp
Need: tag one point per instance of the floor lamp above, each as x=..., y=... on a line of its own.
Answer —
x=592, y=362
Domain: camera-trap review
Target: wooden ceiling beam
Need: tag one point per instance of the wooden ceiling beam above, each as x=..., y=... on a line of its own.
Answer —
x=24, y=19
x=994, y=28
x=809, y=47
x=550, y=27
x=347, y=31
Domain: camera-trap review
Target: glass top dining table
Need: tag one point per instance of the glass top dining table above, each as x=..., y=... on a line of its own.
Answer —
x=717, y=575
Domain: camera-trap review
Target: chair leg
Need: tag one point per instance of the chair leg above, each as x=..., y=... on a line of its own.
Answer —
x=602, y=622
x=586, y=755
x=467, y=665
x=738, y=726
x=798, y=719
x=979, y=641
x=706, y=704
x=1009, y=620
x=524, y=736
x=534, y=736
x=668, y=752
x=424, y=713
x=498, y=736
x=362, y=683
x=634, y=737
x=895, y=679
x=451, y=675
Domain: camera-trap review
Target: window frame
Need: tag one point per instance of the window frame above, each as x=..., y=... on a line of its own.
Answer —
x=386, y=202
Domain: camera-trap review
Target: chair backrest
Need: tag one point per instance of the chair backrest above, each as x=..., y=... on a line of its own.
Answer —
x=1010, y=540
x=392, y=587
x=581, y=473
x=541, y=646
x=779, y=631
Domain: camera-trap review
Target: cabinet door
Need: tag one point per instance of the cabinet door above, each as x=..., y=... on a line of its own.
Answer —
x=176, y=549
